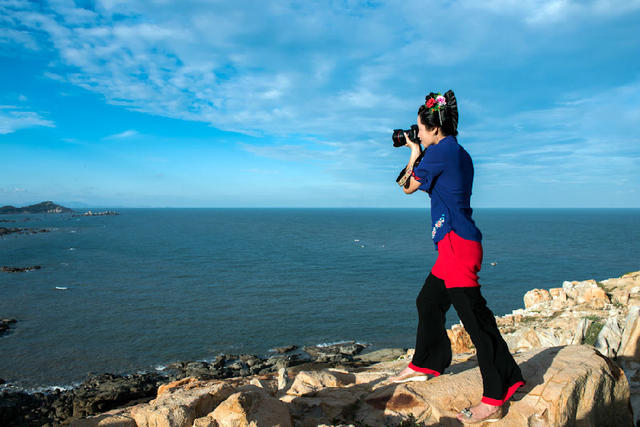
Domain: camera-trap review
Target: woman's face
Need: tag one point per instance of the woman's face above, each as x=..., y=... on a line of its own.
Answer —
x=427, y=137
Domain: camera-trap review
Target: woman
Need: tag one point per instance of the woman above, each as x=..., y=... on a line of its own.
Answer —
x=446, y=174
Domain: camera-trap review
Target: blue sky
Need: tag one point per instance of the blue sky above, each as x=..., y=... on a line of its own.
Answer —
x=292, y=104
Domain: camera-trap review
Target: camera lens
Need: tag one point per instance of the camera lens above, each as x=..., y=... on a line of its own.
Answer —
x=398, y=138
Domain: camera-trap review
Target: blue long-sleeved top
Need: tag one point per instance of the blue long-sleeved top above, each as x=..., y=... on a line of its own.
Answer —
x=446, y=173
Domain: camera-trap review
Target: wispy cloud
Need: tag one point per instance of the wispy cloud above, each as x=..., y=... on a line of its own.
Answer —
x=13, y=118
x=271, y=68
x=123, y=135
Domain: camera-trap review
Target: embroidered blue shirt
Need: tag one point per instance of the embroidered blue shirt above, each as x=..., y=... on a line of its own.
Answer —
x=446, y=173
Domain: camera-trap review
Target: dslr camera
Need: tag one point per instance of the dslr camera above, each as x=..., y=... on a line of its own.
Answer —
x=398, y=136
x=398, y=141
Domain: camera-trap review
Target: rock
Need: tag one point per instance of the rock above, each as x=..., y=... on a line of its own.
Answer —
x=113, y=418
x=180, y=407
x=331, y=351
x=460, y=339
x=609, y=338
x=282, y=378
x=311, y=381
x=382, y=355
x=286, y=349
x=563, y=384
x=587, y=292
x=629, y=350
x=5, y=324
x=251, y=406
x=536, y=296
x=175, y=384
x=19, y=269
x=103, y=213
x=104, y=392
x=4, y=230
x=558, y=298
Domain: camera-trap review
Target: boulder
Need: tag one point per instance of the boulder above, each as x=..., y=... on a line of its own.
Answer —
x=460, y=339
x=382, y=355
x=586, y=292
x=250, y=406
x=629, y=349
x=609, y=338
x=179, y=407
x=536, y=296
x=307, y=382
x=565, y=386
x=285, y=349
x=114, y=418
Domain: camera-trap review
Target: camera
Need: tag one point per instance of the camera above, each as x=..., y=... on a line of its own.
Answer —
x=398, y=136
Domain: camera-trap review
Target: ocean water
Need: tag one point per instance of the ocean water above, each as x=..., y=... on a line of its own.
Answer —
x=153, y=286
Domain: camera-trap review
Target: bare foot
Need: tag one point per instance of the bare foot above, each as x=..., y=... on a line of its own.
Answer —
x=480, y=412
x=407, y=374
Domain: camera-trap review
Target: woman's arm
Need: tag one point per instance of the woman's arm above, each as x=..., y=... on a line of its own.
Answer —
x=413, y=183
x=413, y=186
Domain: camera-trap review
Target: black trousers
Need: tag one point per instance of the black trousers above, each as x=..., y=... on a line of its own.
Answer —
x=500, y=372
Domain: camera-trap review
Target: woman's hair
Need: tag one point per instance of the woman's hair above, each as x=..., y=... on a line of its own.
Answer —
x=446, y=119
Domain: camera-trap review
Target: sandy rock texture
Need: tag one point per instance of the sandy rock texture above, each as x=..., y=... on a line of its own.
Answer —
x=566, y=385
x=577, y=345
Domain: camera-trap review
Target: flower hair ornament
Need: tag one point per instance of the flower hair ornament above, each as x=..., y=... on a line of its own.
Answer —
x=436, y=104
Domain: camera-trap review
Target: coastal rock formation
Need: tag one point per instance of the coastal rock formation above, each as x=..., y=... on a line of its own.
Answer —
x=103, y=213
x=578, y=347
x=5, y=324
x=19, y=269
x=5, y=230
x=565, y=385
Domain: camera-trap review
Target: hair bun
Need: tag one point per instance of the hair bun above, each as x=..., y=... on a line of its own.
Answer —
x=452, y=106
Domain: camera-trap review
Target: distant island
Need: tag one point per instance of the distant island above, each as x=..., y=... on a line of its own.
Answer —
x=90, y=213
x=43, y=207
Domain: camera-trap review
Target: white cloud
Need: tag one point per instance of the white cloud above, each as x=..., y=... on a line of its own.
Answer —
x=13, y=118
x=579, y=140
x=348, y=73
x=123, y=135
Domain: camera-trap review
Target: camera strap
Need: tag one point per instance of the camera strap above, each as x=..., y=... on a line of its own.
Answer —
x=406, y=174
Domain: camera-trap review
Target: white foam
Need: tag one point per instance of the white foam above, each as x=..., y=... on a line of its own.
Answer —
x=72, y=249
x=62, y=288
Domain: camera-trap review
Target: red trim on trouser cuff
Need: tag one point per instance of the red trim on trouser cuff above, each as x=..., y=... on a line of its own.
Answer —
x=416, y=178
x=423, y=370
x=459, y=261
x=507, y=395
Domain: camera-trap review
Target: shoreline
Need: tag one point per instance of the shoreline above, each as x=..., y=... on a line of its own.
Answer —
x=53, y=405
x=159, y=368
x=580, y=312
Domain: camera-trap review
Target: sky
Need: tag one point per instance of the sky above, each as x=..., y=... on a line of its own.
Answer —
x=126, y=103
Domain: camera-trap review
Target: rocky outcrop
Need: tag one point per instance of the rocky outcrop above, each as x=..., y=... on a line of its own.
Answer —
x=5, y=230
x=577, y=346
x=19, y=269
x=5, y=324
x=102, y=213
x=565, y=386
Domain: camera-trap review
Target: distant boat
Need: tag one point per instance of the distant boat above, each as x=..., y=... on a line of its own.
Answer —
x=494, y=263
x=62, y=288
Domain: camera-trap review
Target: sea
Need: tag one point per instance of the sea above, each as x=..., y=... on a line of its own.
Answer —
x=149, y=287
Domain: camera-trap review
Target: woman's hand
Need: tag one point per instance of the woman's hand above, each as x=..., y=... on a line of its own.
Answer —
x=412, y=145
